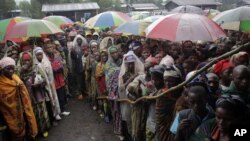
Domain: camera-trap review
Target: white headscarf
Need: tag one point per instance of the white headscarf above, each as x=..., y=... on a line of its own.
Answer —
x=75, y=44
x=46, y=68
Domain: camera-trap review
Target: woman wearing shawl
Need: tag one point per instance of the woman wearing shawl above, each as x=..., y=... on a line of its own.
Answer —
x=34, y=80
x=57, y=67
x=112, y=70
x=41, y=61
x=94, y=58
x=78, y=70
x=165, y=105
x=101, y=83
x=136, y=89
x=15, y=103
x=131, y=67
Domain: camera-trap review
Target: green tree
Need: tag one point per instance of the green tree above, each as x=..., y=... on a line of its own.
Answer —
x=5, y=7
x=26, y=8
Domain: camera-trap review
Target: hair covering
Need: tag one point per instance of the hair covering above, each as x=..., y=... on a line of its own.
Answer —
x=26, y=56
x=104, y=43
x=221, y=66
x=172, y=71
x=213, y=75
x=129, y=59
x=157, y=69
x=201, y=78
x=167, y=61
x=138, y=69
x=152, y=60
x=76, y=47
x=38, y=50
x=112, y=49
x=72, y=33
x=45, y=40
x=7, y=61
x=96, y=34
x=236, y=57
x=234, y=103
x=135, y=45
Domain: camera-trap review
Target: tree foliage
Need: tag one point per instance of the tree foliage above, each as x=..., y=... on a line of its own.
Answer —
x=5, y=7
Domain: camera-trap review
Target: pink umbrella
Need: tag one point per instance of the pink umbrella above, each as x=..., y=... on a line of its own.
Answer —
x=182, y=27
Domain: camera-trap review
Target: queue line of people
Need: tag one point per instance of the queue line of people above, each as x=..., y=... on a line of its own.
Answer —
x=87, y=65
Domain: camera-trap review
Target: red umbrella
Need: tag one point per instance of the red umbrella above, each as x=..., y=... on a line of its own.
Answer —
x=182, y=27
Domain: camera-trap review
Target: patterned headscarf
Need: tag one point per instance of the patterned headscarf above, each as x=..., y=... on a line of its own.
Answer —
x=172, y=71
x=7, y=61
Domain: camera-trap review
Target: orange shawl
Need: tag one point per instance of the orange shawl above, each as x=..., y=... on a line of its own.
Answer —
x=16, y=106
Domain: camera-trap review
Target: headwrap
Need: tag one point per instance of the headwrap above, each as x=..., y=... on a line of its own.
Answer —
x=7, y=61
x=172, y=71
x=213, y=75
x=129, y=59
x=135, y=45
x=200, y=80
x=157, y=69
x=112, y=49
x=152, y=60
x=167, y=61
x=96, y=33
x=38, y=50
x=26, y=56
x=234, y=103
x=236, y=58
x=93, y=43
x=221, y=66
x=72, y=33
x=45, y=40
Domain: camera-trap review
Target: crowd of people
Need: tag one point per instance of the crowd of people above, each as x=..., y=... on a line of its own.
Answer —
x=38, y=77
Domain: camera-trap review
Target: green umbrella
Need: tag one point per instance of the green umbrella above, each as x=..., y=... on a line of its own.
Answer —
x=7, y=24
x=33, y=28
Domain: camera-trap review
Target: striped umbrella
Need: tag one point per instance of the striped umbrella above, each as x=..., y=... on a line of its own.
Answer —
x=107, y=19
x=235, y=19
x=7, y=24
x=33, y=28
x=139, y=16
x=182, y=27
x=59, y=21
x=153, y=18
x=133, y=28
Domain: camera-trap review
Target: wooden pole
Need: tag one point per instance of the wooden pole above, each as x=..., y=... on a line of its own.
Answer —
x=210, y=64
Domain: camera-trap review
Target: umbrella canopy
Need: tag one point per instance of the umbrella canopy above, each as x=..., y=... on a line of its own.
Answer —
x=188, y=9
x=7, y=24
x=133, y=28
x=33, y=28
x=107, y=19
x=59, y=21
x=235, y=19
x=182, y=27
x=152, y=18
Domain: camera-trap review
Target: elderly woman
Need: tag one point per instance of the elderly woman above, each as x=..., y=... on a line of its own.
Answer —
x=140, y=86
x=42, y=62
x=15, y=103
x=131, y=68
x=101, y=84
x=34, y=80
x=112, y=70
x=76, y=54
